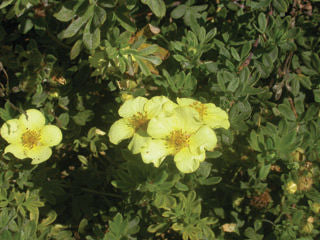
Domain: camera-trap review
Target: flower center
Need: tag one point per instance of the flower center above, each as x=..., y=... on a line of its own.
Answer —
x=30, y=139
x=178, y=140
x=201, y=108
x=140, y=121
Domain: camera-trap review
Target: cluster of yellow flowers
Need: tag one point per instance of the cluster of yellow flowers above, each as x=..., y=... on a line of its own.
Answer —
x=159, y=127
x=29, y=136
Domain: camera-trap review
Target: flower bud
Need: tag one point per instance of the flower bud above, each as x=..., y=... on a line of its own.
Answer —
x=126, y=96
x=315, y=207
x=307, y=229
x=237, y=201
x=298, y=155
x=229, y=227
x=291, y=187
x=305, y=183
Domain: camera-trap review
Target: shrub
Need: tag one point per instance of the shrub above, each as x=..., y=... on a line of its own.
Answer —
x=219, y=139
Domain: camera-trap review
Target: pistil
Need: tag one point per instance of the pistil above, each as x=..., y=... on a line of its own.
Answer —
x=30, y=139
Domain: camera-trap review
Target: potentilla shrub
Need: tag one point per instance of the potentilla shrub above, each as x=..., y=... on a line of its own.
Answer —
x=157, y=119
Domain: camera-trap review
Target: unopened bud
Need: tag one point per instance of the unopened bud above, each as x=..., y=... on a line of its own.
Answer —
x=315, y=207
x=307, y=229
x=229, y=227
x=291, y=187
x=126, y=96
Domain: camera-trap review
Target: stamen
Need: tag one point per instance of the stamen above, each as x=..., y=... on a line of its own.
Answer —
x=140, y=121
x=31, y=139
x=178, y=140
x=201, y=108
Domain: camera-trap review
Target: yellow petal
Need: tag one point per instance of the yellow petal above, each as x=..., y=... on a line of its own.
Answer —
x=12, y=131
x=186, y=101
x=155, y=152
x=154, y=107
x=215, y=117
x=168, y=107
x=187, y=118
x=120, y=130
x=137, y=142
x=50, y=135
x=187, y=162
x=162, y=126
x=33, y=119
x=132, y=107
x=182, y=118
x=204, y=138
x=16, y=149
x=38, y=154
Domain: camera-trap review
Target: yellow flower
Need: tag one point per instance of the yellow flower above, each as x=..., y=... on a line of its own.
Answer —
x=180, y=135
x=209, y=114
x=136, y=114
x=29, y=137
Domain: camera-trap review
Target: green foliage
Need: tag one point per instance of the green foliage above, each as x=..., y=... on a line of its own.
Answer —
x=77, y=61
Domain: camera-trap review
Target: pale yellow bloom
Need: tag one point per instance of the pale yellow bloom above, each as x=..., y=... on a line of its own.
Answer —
x=29, y=137
x=180, y=135
x=136, y=114
x=209, y=113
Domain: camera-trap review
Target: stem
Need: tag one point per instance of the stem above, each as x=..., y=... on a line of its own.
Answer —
x=268, y=221
x=92, y=191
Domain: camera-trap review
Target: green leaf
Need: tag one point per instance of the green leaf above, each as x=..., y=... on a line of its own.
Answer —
x=144, y=68
x=285, y=142
x=179, y=11
x=99, y=16
x=253, y=141
x=267, y=60
x=5, y=3
x=4, y=114
x=133, y=226
x=273, y=54
x=316, y=94
x=181, y=187
x=82, y=117
x=280, y=5
x=214, y=154
x=211, y=181
x=65, y=14
x=221, y=82
x=235, y=54
x=76, y=49
x=83, y=159
x=286, y=111
x=91, y=37
x=75, y=26
x=315, y=62
x=245, y=50
x=51, y=217
x=264, y=171
x=262, y=21
x=156, y=227
x=233, y=84
x=311, y=112
x=211, y=66
x=26, y=25
x=259, y=4
x=64, y=119
x=244, y=75
x=158, y=7
x=82, y=225
x=125, y=21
